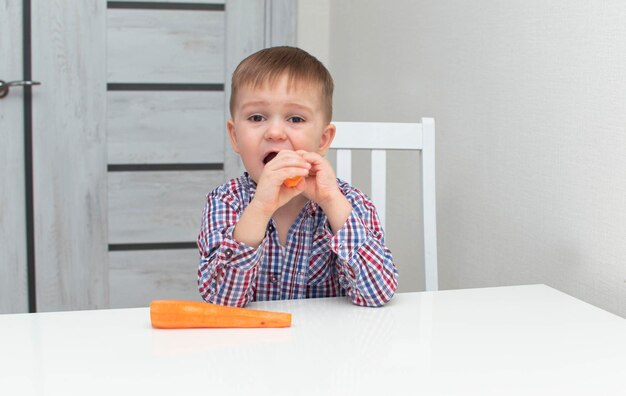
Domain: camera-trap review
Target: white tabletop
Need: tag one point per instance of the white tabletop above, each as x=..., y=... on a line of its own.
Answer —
x=521, y=340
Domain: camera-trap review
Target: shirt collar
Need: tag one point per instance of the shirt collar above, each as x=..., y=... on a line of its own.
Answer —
x=249, y=184
x=311, y=208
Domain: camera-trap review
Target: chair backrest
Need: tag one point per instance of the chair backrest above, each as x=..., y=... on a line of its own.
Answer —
x=380, y=137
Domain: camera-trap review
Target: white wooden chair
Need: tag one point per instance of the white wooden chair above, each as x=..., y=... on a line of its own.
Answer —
x=380, y=137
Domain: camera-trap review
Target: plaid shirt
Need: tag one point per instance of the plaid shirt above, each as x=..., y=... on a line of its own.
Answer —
x=314, y=263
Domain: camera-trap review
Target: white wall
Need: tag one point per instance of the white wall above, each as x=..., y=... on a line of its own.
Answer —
x=529, y=99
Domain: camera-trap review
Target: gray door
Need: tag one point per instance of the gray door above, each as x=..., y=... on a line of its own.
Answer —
x=127, y=138
x=13, y=278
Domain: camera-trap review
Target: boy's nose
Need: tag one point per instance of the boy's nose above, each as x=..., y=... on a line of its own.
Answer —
x=275, y=131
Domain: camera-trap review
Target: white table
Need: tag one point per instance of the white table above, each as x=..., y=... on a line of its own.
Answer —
x=521, y=340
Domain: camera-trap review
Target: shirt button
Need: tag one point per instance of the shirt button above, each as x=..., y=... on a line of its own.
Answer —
x=228, y=253
x=273, y=279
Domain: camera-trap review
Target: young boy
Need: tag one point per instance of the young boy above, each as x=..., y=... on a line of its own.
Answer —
x=263, y=240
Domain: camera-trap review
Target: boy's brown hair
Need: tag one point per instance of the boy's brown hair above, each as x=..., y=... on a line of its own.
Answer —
x=269, y=64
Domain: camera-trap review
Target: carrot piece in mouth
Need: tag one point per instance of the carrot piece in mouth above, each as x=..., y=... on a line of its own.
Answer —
x=292, y=181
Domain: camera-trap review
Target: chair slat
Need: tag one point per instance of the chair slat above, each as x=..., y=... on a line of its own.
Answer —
x=344, y=165
x=429, y=205
x=379, y=183
x=378, y=135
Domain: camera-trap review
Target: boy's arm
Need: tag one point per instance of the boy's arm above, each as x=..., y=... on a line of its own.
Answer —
x=252, y=225
x=228, y=268
x=365, y=265
x=337, y=209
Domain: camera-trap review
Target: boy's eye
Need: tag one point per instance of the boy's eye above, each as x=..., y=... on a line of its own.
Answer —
x=296, y=119
x=256, y=118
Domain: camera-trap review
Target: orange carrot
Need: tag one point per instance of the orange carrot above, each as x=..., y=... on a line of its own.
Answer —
x=179, y=314
x=293, y=181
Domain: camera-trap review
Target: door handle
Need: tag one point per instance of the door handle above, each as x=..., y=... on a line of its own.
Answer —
x=4, y=86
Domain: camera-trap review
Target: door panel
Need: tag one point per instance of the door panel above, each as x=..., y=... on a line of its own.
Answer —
x=138, y=277
x=13, y=277
x=158, y=207
x=166, y=128
x=69, y=154
x=171, y=46
x=142, y=124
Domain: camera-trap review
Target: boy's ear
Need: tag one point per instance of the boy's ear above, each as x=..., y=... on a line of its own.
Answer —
x=230, y=125
x=327, y=138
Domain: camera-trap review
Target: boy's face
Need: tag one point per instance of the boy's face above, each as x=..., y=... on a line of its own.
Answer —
x=278, y=117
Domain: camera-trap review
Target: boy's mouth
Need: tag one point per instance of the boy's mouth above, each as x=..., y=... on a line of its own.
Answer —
x=269, y=157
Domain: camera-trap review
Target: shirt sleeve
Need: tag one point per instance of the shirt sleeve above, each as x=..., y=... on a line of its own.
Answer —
x=228, y=269
x=364, y=264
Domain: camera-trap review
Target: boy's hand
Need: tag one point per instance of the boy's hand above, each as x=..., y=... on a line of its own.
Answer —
x=321, y=184
x=321, y=187
x=271, y=193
